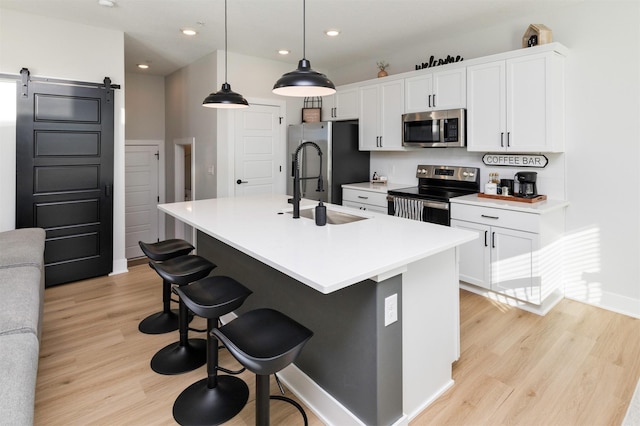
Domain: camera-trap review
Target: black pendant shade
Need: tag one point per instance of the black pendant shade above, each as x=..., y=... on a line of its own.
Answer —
x=304, y=82
x=225, y=97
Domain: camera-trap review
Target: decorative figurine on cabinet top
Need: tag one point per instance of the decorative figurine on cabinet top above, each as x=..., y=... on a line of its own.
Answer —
x=537, y=34
x=382, y=66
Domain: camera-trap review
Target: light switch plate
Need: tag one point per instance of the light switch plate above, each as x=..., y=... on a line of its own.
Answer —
x=391, y=309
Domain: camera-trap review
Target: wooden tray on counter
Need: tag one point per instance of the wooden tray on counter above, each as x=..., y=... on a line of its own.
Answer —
x=513, y=198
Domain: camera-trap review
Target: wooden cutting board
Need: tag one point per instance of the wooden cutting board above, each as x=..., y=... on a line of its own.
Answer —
x=513, y=198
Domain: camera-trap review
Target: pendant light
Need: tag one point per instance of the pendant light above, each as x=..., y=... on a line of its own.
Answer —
x=304, y=81
x=225, y=97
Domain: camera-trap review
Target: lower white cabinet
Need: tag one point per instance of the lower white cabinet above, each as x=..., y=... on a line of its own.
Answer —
x=518, y=254
x=365, y=200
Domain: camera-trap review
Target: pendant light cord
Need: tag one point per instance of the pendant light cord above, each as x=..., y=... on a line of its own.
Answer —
x=225, y=41
x=304, y=30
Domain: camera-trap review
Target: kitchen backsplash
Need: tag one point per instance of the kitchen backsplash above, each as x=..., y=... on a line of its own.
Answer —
x=400, y=167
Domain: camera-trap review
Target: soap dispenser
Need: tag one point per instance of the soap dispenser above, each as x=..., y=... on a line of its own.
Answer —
x=321, y=214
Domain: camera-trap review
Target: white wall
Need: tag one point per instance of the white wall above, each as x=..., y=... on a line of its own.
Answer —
x=144, y=107
x=186, y=118
x=63, y=50
x=602, y=139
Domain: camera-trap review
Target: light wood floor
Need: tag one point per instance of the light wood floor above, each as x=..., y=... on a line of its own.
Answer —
x=576, y=366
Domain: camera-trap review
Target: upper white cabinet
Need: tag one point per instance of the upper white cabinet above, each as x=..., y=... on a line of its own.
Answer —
x=436, y=90
x=381, y=109
x=342, y=105
x=516, y=104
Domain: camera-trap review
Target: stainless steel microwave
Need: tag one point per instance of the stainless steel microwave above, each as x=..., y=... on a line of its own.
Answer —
x=438, y=129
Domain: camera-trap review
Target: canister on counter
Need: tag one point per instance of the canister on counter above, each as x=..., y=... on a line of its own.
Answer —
x=490, y=188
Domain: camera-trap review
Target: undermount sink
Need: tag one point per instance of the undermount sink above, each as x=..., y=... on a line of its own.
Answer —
x=333, y=217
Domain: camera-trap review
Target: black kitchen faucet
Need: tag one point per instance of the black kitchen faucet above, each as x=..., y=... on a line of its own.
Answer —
x=296, y=177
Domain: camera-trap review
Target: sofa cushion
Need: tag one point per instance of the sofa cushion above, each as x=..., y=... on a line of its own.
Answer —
x=21, y=247
x=22, y=295
x=19, y=361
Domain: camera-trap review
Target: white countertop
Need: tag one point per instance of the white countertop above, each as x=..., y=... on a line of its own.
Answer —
x=540, y=207
x=326, y=258
x=377, y=187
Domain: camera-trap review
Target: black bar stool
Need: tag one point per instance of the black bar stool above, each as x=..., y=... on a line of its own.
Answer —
x=216, y=399
x=186, y=354
x=167, y=319
x=264, y=341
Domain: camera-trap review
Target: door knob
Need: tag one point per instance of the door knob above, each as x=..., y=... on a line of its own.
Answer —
x=239, y=181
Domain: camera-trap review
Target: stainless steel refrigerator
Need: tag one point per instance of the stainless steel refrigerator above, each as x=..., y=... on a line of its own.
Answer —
x=342, y=162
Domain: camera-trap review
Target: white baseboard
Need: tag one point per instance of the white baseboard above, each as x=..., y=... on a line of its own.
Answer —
x=119, y=267
x=323, y=405
x=552, y=300
x=612, y=302
x=430, y=401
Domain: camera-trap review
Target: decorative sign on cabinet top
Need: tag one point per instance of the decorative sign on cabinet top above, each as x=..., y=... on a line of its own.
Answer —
x=435, y=62
x=515, y=160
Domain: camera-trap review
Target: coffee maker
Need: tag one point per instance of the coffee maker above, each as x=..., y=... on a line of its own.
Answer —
x=526, y=184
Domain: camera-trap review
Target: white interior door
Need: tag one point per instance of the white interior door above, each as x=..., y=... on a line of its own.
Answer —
x=142, y=194
x=257, y=150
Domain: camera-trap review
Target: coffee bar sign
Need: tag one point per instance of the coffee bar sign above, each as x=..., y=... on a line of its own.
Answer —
x=515, y=160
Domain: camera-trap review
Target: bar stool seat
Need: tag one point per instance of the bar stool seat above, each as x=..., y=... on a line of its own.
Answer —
x=165, y=250
x=166, y=320
x=186, y=354
x=217, y=398
x=264, y=341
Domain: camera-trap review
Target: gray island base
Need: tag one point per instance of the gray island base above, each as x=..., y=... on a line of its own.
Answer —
x=355, y=370
x=349, y=340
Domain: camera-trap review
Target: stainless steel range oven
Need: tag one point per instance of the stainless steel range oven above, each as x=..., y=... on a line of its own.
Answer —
x=429, y=201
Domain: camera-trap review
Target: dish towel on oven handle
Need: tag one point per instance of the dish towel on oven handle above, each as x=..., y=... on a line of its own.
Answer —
x=408, y=208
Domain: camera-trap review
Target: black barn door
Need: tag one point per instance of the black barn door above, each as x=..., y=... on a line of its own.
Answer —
x=64, y=175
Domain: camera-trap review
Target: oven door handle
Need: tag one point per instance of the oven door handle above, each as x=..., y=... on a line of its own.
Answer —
x=440, y=205
x=436, y=205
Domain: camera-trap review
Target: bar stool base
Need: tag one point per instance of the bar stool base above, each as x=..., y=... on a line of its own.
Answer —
x=159, y=323
x=199, y=404
x=177, y=359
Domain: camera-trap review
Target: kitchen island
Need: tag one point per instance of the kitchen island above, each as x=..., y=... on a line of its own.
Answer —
x=379, y=292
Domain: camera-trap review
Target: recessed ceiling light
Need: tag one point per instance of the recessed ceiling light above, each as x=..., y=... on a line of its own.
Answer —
x=143, y=66
x=332, y=33
x=189, y=31
x=283, y=52
x=107, y=3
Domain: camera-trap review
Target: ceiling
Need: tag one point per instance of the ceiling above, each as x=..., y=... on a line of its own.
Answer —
x=368, y=28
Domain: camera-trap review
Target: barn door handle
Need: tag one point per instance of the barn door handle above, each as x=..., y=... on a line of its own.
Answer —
x=107, y=190
x=239, y=181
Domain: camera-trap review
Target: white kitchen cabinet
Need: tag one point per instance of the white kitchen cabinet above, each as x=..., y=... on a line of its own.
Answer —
x=501, y=259
x=342, y=105
x=475, y=256
x=381, y=109
x=516, y=104
x=365, y=200
x=437, y=90
x=517, y=253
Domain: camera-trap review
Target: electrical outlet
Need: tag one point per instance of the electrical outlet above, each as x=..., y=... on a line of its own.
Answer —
x=391, y=309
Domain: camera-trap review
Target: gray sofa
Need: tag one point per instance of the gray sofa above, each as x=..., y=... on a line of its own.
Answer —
x=22, y=289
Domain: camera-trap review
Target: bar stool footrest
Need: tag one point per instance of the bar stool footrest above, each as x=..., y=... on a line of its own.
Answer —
x=295, y=404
